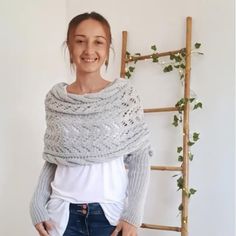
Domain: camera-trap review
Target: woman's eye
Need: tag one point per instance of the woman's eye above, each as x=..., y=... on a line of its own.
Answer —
x=99, y=42
x=79, y=41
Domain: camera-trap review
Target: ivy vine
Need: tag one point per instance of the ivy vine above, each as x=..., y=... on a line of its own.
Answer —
x=176, y=62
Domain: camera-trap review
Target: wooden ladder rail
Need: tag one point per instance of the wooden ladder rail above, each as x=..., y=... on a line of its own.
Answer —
x=185, y=165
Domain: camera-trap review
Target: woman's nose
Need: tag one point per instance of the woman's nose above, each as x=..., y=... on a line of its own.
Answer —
x=89, y=48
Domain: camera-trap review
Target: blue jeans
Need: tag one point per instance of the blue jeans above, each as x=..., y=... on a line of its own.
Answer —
x=88, y=220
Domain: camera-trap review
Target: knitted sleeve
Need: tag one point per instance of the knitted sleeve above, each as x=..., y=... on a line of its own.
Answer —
x=42, y=193
x=138, y=163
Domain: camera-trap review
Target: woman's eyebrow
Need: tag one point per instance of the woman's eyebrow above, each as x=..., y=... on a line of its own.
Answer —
x=100, y=36
x=80, y=35
x=97, y=36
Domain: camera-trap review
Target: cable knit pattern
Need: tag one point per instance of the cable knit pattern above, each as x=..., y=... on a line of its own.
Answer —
x=94, y=128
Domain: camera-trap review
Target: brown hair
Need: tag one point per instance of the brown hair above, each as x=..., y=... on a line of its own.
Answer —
x=85, y=16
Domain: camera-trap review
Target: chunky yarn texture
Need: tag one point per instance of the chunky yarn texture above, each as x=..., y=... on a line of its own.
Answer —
x=95, y=128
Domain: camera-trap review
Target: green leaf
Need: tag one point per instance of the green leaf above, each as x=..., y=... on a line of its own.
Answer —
x=192, y=191
x=176, y=118
x=131, y=68
x=127, y=74
x=191, y=99
x=180, y=207
x=197, y=45
x=180, y=158
x=153, y=47
x=168, y=68
x=174, y=175
x=195, y=136
x=198, y=105
x=176, y=66
x=190, y=156
x=175, y=123
x=154, y=57
x=180, y=182
x=183, y=54
x=178, y=58
x=172, y=56
x=190, y=143
x=179, y=149
x=180, y=104
x=155, y=60
x=182, y=66
x=137, y=54
x=127, y=53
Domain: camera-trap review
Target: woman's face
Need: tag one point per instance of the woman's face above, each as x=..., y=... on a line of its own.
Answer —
x=89, y=46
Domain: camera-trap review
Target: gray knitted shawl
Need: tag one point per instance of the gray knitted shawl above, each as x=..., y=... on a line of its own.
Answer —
x=93, y=127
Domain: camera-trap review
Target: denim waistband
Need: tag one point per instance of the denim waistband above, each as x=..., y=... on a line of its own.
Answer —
x=89, y=208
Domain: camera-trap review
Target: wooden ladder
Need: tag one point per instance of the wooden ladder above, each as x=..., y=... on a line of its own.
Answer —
x=184, y=168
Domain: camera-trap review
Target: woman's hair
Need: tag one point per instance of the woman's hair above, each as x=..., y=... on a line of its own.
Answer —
x=80, y=18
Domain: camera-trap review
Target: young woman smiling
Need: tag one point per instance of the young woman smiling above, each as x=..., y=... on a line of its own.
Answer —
x=95, y=129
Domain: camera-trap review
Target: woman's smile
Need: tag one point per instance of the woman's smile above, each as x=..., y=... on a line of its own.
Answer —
x=89, y=60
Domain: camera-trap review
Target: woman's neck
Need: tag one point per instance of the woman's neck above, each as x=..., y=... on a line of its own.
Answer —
x=88, y=83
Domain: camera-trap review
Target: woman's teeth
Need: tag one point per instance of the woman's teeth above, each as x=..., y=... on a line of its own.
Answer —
x=89, y=60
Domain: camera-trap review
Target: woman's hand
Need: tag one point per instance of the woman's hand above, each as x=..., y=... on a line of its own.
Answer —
x=125, y=229
x=43, y=228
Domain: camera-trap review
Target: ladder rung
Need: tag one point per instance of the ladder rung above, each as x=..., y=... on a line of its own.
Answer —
x=170, y=168
x=161, y=227
x=144, y=57
x=162, y=109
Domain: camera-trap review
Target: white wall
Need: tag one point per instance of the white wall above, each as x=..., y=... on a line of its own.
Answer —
x=32, y=60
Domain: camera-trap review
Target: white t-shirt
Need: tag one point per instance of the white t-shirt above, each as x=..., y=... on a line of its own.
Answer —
x=105, y=183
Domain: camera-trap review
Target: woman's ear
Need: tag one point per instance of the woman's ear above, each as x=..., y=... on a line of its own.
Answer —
x=71, y=58
x=70, y=51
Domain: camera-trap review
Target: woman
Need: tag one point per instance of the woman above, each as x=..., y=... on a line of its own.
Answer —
x=95, y=129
